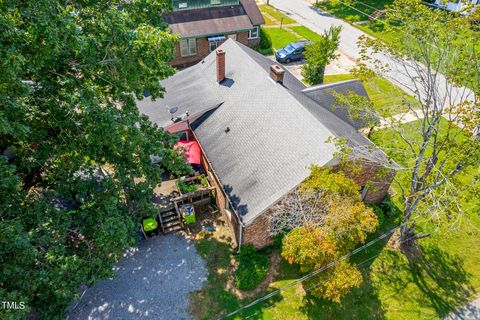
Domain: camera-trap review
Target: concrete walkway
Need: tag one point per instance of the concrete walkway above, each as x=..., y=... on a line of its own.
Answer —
x=152, y=281
x=470, y=311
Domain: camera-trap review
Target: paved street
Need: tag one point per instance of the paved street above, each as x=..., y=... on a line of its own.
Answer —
x=470, y=311
x=318, y=21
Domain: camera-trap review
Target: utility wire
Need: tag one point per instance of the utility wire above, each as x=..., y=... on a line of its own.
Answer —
x=314, y=273
x=325, y=267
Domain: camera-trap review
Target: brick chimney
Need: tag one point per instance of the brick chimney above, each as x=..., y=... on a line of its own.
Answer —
x=220, y=65
x=276, y=73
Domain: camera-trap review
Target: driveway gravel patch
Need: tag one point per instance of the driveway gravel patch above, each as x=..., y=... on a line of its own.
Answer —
x=152, y=281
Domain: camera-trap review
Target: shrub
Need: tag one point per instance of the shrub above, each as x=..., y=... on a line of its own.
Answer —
x=265, y=45
x=252, y=268
x=379, y=213
x=389, y=208
x=204, y=181
x=185, y=187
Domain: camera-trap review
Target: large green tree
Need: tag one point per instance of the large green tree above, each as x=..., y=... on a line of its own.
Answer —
x=436, y=57
x=74, y=142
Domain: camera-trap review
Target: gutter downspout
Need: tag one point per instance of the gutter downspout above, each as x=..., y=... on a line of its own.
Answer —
x=240, y=235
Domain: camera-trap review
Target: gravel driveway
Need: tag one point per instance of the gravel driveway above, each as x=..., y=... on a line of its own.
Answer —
x=152, y=282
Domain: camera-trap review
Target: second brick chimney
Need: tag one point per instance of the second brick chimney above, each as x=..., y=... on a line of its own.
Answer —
x=220, y=65
x=276, y=73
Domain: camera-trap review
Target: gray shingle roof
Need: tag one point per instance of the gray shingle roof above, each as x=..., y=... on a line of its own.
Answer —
x=253, y=12
x=272, y=136
x=208, y=21
x=323, y=96
x=215, y=20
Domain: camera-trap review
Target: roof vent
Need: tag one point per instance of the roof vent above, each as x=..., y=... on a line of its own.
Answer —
x=276, y=73
x=220, y=65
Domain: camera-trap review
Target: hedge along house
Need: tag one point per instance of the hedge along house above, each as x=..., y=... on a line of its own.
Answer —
x=259, y=129
x=203, y=25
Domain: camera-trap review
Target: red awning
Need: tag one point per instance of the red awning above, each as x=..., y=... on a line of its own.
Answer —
x=192, y=151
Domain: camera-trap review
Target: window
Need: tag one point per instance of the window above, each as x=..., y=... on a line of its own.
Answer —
x=254, y=33
x=215, y=42
x=232, y=36
x=363, y=192
x=188, y=47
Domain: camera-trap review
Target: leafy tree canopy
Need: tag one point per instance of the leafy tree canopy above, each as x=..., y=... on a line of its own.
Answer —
x=319, y=54
x=74, y=142
x=331, y=227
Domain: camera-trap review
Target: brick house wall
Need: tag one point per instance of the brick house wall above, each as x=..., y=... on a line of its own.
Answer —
x=257, y=232
x=220, y=197
x=375, y=179
x=203, y=50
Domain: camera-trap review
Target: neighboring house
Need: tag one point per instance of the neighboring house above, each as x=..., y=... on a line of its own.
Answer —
x=259, y=129
x=457, y=6
x=203, y=25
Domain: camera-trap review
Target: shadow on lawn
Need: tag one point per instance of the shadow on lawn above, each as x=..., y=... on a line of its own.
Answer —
x=443, y=282
x=443, y=279
x=360, y=303
x=214, y=299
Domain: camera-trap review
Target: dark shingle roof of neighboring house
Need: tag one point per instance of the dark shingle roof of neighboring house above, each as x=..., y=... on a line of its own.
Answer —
x=323, y=96
x=262, y=136
x=253, y=12
x=213, y=21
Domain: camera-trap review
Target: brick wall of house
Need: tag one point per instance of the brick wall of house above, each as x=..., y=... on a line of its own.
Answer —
x=222, y=201
x=375, y=178
x=253, y=42
x=203, y=50
x=257, y=232
x=220, y=197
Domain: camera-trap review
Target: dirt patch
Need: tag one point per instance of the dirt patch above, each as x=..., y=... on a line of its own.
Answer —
x=263, y=286
x=210, y=220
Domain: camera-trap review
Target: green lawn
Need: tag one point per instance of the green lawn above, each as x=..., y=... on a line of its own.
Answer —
x=269, y=20
x=448, y=276
x=280, y=37
x=305, y=33
x=355, y=11
x=396, y=148
x=269, y=11
x=387, y=98
x=377, y=29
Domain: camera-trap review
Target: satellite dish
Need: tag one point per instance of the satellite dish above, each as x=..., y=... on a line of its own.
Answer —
x=172, y=110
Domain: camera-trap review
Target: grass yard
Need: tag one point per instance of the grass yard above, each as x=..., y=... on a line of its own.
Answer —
x=387, y=98
x=377, y=29
x=280, y=37
x=305, y=33
x=355, y=11
x=273, y=16
x=396, y=148
x=214, y=299
x=448, y=276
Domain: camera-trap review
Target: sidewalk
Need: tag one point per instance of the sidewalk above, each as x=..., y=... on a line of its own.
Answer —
x=470, y=311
